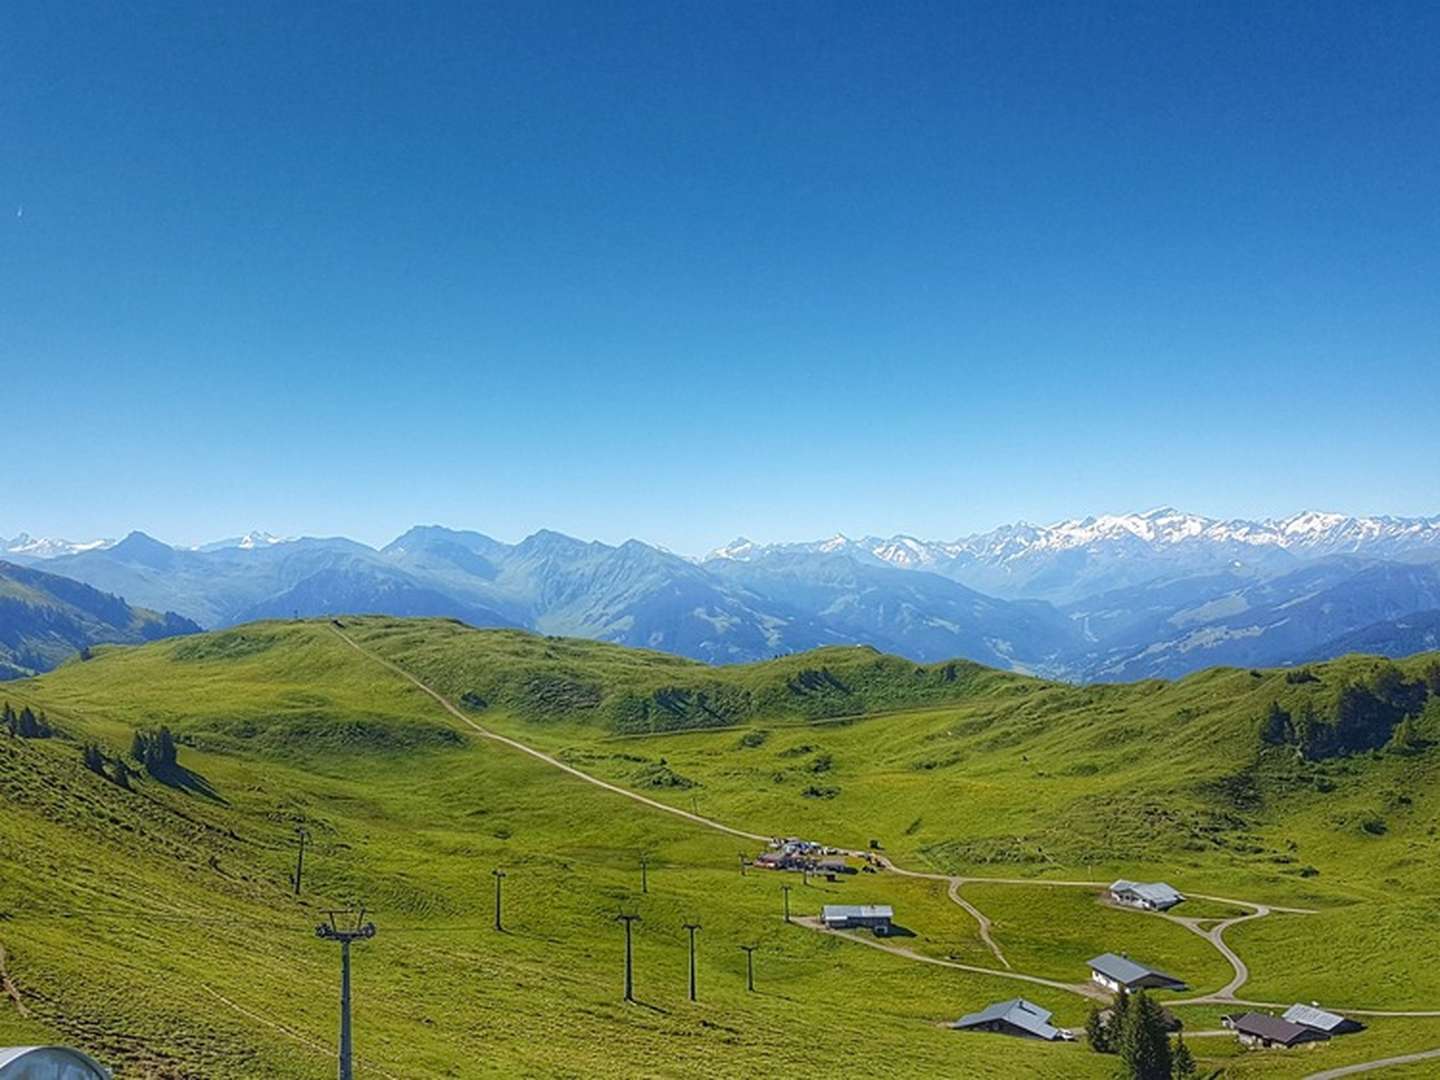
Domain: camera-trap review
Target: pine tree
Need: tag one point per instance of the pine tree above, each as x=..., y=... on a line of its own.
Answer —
x=94, y=759
x=137, y=748
x=27, y=724
x=1142, y=1043
x=1097, y=1033
x=1432, y=677
x=166, y=740
x=1182, y=1062
x=121, y=773
x=1275, y=727
x=10, y=720
x=160, y=754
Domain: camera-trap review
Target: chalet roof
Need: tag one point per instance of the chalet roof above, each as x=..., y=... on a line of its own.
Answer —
x=1023, y=1014
x=857, y=911
x=1126, y=971
x=1274, y=1029
x=1157, y=892
x=1312, y=1016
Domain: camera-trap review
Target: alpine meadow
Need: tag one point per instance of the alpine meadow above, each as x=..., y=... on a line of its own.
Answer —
x=719, y=540
x=421, y=755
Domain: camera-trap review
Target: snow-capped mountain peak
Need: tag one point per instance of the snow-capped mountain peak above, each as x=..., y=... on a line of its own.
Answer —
x=1310, y=533
x=25, y=545
x=249, y=542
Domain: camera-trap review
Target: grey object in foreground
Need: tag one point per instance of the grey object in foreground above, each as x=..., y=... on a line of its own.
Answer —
x=49, y=1063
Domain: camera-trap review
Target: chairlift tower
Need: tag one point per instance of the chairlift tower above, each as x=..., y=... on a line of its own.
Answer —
x=345, y=927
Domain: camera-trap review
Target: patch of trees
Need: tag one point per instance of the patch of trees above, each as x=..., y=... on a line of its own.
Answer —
x=26, y=724
x=155, y=751
x=1365, y=714
x=1137, y=1031
x=814, y=681
x=112, y=769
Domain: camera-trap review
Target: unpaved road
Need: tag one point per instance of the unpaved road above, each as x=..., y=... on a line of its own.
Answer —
x=1215, y=935
x=444, y=703
x=1371, y=1066
x=1085, y=989
x=981, y=920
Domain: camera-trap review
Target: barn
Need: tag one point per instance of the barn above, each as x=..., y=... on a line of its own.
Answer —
x=1147, y=896
x=1117, y=973
x=876, y=917
x=1018, y=1017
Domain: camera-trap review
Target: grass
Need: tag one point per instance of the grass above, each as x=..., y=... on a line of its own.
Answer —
x=1054, y=931
x=128, y=916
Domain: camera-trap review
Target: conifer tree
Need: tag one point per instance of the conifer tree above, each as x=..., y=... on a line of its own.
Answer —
x=137, y=748
x=10, y=720
x=94, y=759
x=1182, y=1062
x=1141, y=1041
x=1096, y=1032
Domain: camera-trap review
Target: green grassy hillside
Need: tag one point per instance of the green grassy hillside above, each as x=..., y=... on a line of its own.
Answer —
x=156, y=925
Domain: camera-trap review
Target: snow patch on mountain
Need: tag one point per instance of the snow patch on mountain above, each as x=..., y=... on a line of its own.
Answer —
x=1311, y=533
x=32, y=547
x=249, y=542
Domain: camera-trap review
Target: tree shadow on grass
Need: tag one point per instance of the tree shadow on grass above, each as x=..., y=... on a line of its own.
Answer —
x=187, y=780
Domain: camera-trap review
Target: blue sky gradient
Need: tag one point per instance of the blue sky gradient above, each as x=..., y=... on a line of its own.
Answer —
x=685, y=270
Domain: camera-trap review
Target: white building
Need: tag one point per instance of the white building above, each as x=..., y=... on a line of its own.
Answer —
x=1116, y=973
x=1147, y=896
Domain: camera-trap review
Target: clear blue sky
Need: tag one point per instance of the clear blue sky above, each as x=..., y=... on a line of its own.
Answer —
x=685, y=270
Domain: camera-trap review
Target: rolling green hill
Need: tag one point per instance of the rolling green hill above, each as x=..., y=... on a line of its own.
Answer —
x=156, y=925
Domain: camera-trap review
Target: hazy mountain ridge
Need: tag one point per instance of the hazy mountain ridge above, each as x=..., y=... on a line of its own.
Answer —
x=46, y=618
x=1114, y=597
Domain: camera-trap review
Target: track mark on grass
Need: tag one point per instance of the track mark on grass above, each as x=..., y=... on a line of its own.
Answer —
x=291, y=1033
x=12, y=991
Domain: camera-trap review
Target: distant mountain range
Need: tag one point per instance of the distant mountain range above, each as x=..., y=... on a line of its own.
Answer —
x=46, y=618
x=1081, y=557
x=1103, y=598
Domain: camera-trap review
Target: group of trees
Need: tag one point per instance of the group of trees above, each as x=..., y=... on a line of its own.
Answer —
x=25, y=724
x=96, y=761
x=1365, y=714
x=1136, y=1030
x=156, y=751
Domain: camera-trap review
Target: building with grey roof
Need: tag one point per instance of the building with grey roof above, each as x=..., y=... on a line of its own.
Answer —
x=1263, y=1030
x=1312, y=1016
x=876, y=917
x=1018, y=1017
x=1148, y=896
x=1117, y=973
